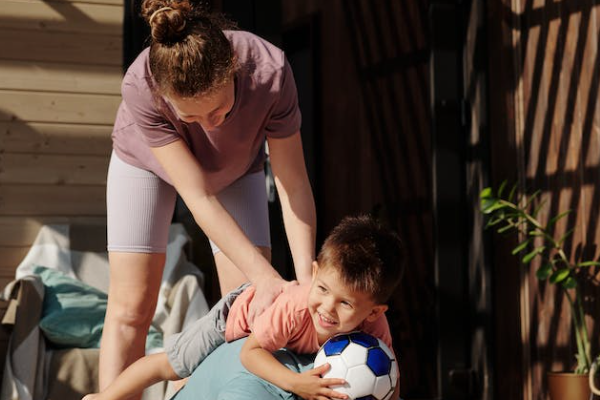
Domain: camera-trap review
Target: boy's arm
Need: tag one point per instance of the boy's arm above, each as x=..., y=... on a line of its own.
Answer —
x=138, y=376
x=308, y=385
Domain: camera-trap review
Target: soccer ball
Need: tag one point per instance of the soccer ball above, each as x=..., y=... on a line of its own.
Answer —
x=365, y=362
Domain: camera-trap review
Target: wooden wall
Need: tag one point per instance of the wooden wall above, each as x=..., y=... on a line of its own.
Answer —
x=60, y=73
x=545, y=134
x=374, y=149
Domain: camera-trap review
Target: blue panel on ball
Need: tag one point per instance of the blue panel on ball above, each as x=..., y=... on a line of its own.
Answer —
x=378, y=362
x=336, y=345
x=364, y=339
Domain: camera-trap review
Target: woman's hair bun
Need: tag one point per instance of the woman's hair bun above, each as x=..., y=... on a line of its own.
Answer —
x=167, y=19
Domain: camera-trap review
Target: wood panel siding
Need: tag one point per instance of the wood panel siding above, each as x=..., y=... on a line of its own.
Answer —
x=46, y=200
x=60, y=74
x=544, y=134
x=37, y=15
x=63, y=47
x=58, y=107
x=53, y=77
x=59, y=170
x=55, y=138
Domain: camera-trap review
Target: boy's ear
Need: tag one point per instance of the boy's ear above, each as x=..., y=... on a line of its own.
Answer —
x=376, y=312
x=315, y=268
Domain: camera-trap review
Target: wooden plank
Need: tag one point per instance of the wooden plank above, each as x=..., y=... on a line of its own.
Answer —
x=10, y=259
x=51, y=77
x=62, y=17
x=58, y=107
x=109, y=2
x=47, y=138
x=53, y=169
x=60, y=47
x=48, y=200
x=7, y=275
x=18, y=233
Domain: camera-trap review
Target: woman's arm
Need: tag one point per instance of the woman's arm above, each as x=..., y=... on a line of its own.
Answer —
x=297, y=202
x=189, y=181
x=308, y=385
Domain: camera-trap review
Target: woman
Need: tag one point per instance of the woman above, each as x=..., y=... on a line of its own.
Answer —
x=197, y=107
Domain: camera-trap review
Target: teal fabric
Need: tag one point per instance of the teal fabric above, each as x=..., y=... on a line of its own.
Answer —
x=221, y=376
x=73, y=312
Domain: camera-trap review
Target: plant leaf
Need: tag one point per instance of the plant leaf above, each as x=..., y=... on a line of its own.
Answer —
x=565, y=236
x=505, y=228
x=544, y=271
x=588, y=264
x=486, y=193
x=486, y=204
x=520, y=247
x=489, y=206
x=556, y=218
x=560, y=275
x=512, y=193
x=501, y=188
x=531, y=198
x=569, y=283
x=529, y=256
x=494, y=221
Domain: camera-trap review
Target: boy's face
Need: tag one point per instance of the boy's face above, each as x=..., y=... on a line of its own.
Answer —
x=335, y=308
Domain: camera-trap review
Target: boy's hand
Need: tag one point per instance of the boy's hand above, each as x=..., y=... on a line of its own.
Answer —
x=309, y=385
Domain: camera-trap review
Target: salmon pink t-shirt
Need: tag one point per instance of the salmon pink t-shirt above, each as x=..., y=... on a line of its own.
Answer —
x=266, y=106
x=287, y=322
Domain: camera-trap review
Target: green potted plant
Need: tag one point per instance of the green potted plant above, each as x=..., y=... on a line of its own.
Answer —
x=509, y=213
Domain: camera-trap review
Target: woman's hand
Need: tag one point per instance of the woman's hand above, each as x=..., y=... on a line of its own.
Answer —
x=266, y=291
x=309, y=385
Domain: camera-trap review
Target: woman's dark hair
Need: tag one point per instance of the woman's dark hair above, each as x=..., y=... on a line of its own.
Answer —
x=189, y=54
x=368, y=256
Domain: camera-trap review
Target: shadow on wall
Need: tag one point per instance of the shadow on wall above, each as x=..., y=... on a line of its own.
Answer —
x=391, y=56
x=559, y=64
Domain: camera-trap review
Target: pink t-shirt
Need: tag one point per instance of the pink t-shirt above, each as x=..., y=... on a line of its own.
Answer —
x=287, y=323
x=266, y=105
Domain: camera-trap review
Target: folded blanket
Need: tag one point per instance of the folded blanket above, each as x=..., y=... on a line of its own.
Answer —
x=79, y=252
x=73, y=312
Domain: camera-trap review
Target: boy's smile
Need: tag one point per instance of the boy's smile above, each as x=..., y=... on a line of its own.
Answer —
x=336, y=308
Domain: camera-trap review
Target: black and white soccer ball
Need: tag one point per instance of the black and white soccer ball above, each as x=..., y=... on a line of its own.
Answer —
x=366, y=364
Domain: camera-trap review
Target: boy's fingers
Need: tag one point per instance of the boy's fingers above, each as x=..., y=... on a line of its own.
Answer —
x=332, y=394
x=332, y=382
x=322, y=368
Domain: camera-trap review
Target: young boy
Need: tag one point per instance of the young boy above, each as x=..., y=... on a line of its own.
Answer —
x=355, y=274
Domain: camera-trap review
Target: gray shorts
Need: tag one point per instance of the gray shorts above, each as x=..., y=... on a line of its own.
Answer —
x=186, y=350
x=140, y=205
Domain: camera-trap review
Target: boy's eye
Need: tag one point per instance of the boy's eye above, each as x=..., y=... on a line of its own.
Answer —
x=321, y=289
x=346, y=304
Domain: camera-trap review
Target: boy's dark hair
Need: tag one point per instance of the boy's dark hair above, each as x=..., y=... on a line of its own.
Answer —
x=368, y=256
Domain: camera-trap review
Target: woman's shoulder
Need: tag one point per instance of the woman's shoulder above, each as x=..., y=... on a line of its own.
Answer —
x=139, y=68
x=256, y=54
x=137, y=82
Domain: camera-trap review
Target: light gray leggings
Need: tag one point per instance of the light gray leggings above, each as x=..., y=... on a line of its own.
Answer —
x=140, y=207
